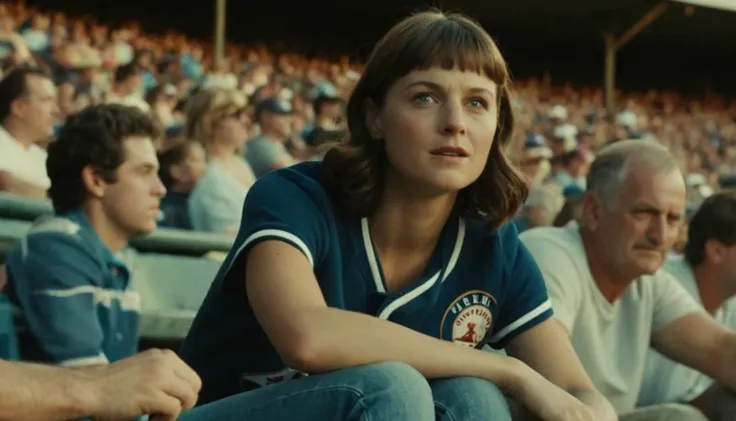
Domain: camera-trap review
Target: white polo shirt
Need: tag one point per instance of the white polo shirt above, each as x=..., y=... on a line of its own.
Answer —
x=666, y=381
x=27, y=164
x=611, y=340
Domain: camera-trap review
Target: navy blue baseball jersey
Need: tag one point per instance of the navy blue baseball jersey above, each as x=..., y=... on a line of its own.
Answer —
x=73, y=296
x=480, y=287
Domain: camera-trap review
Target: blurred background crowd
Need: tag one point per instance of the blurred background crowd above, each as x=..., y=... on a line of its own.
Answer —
x=278, y=108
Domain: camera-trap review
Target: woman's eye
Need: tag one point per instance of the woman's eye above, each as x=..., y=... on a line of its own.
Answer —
x=424, y=98
x=478, y=103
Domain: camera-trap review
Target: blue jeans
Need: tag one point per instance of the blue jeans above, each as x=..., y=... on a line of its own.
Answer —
x=377, y=392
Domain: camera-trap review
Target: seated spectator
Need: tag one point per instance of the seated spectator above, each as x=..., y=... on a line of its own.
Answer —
x=606, y=287
x=354, y=270
x=708, y=273
x=28, y=111
x=182, y=166
x=535, y=155
x=328, y=124
x=570, y=166
x=126, y=88
x=540, y=208
x=728, y=182
x=68, y=276
x=266, y=152
x=216, y=118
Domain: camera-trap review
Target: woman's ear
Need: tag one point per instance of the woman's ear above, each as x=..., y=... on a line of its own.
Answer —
x=373, y=120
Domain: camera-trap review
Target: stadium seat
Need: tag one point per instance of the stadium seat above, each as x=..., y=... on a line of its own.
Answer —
x=8, y=341
x=172, y=288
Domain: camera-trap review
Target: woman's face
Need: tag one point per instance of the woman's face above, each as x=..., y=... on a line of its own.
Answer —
x=233, y=129
x=438, y=127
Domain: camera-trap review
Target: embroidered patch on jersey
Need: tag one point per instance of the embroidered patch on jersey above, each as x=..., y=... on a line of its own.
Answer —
x=468, y=320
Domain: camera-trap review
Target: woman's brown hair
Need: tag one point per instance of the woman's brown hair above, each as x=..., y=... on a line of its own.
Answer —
x=354, y=170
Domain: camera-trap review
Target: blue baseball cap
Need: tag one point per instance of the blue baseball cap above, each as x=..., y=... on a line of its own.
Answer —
x=535, y=146
x=273, y=105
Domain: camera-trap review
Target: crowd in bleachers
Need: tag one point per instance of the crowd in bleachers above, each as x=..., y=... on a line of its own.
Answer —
x=285, y=106
x=220, y=126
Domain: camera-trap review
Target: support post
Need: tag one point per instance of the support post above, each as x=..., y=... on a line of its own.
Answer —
x=220, y=12
x=613, y=44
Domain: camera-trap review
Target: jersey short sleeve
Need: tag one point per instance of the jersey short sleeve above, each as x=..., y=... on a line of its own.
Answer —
x=285, y=205
x=54, y=277
x=559, y=272
x=672, y=301
x=525, y=303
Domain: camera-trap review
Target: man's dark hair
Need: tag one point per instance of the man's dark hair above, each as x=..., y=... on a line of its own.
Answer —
x=93, y=137
x=14, y=85
x=126, y=71
x=170, y=157
x=715, y=220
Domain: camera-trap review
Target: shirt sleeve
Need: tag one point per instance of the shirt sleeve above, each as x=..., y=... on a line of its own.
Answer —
x=560, y=276
x=525, y=303
x=55, y=280
x=672, y=301
x=261, y=155
x=214, y=208
x=289, y=207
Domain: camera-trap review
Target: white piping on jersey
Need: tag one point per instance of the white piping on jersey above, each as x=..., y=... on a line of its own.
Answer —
x=456, y=251
x=416, y=292
x=275, y=233
x=129, y=300
x=99, y=359
x=521, y=321
x=372, y=261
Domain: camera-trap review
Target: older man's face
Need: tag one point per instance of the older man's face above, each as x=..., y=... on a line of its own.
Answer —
x=644, y=222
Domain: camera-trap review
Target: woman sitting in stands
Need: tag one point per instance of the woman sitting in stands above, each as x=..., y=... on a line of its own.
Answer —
x=216, y=118
x=364, y=286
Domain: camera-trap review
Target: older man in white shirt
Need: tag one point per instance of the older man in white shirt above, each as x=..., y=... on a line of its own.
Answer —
x=607, y=290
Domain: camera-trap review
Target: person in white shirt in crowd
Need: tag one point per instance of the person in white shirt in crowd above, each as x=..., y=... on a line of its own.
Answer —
x=542, y=205
x=217, y=119
x=707, y=271
x=28, y=112
x=267, y=151
x=126, y=88
x=606, y=288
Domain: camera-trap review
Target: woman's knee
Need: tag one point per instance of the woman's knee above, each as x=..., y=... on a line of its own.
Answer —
x=469, y=398
x=393, y=390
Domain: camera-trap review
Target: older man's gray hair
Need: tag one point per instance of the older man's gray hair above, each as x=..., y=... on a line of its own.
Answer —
x=611, y=167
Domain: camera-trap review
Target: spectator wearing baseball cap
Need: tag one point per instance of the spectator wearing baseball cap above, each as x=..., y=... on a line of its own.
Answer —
x=571, y=166
x=267, y=152
x=535, y=157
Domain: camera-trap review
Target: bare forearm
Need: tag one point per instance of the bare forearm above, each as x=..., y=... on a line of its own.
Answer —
x=19, y=187
x=724, y=371
x=31, y=392
x=601, y=407
x=339, y=339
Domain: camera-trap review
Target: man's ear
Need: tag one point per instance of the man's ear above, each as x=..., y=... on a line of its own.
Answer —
x=591, y=211
x=93, y=183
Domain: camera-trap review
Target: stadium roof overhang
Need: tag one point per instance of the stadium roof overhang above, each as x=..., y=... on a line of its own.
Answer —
x=706, y=24
x=728, y=5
